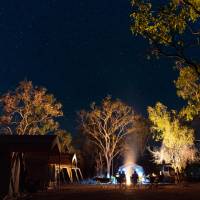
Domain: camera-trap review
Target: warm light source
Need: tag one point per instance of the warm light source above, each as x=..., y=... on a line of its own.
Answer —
x=128, y=175
x=128, y=165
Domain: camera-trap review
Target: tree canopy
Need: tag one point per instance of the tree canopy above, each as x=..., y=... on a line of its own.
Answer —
x=188, y=88
x=29, y=110
x=171, y=27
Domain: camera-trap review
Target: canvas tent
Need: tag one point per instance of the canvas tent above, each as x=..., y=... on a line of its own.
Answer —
x=15, y=151
x=134, y=167
x=130, y=168
x=67, y=162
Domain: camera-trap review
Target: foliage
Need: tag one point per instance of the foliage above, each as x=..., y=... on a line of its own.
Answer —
x=107, y=125
x=188, y=88
x=65, y=140
x=171, y=27
x=177, y=157
x=177, y=139
x=29, y=110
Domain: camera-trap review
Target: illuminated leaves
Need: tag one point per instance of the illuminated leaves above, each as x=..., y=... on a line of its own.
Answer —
x=177, y=139
x=178, y=158
x=171, y=27
x=168, y=128
x=162, y=23
x=29, y=110
x=65, y=140
x=188, y=88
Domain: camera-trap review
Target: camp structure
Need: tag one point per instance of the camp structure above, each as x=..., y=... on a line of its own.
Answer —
x=33, y=162
x=133, y=167
x=64, y=167
x=14, y=151
x=128, y=169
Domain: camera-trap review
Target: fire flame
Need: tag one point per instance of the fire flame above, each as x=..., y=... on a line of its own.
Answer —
x=128, y=176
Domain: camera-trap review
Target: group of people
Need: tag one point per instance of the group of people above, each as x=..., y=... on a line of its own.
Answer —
x=154, y=179
x=121, y=179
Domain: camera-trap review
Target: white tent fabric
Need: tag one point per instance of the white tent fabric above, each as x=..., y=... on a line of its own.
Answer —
x=134, y=167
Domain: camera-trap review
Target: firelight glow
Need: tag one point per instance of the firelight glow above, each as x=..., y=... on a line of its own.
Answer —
x=129, y=160
x=128, y=176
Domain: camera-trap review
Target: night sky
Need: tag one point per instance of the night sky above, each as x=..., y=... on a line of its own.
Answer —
x=81, y=51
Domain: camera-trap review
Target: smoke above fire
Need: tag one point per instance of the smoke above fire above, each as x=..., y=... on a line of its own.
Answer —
x=132, y=150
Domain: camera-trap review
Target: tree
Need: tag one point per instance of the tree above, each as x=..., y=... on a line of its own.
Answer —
x=171, y=27
x=65, y=140
x=188, y=88
x=29, y=110
x=99, y=164
x=107, y=125
x=177, y=140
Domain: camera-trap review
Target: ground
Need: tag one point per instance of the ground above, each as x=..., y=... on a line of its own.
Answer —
x=92, y=192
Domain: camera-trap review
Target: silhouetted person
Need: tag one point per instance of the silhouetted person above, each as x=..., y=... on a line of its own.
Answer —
x=134, y=178
x=122, y=178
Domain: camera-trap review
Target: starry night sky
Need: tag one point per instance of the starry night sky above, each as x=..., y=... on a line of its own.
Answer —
x=81, y=51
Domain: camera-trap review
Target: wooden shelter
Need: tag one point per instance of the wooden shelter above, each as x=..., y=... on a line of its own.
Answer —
x=66, y=162
x=16, y=166
x=34, y=162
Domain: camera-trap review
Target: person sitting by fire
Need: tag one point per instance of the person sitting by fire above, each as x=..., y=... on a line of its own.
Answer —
x=134, y=178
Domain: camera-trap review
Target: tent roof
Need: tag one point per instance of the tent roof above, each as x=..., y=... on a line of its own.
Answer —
x=130, y=165
x=29, y=143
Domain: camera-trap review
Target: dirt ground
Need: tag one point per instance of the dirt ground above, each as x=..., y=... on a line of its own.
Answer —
x=92, y=192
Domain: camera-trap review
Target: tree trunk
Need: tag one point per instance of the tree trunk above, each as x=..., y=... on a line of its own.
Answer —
x=108, y=163
x=101, y=165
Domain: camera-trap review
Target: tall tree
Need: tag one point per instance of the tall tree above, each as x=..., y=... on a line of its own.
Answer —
x=29, y=110
x=171, y=27
x=177, y=140
x=107, y=125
